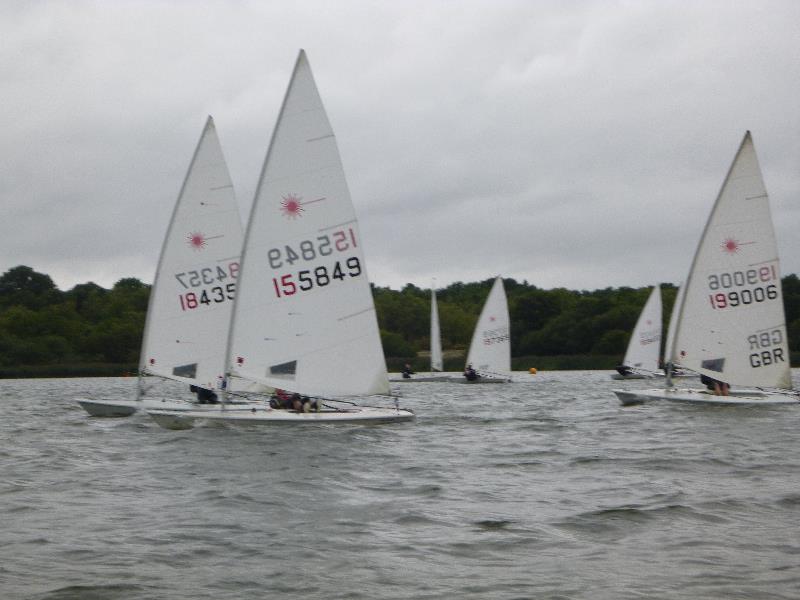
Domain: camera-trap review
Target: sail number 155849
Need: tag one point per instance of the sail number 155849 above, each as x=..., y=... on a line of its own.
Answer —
x=307, y=279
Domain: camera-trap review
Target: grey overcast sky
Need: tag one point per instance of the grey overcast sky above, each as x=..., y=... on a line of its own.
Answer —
x=573, y=144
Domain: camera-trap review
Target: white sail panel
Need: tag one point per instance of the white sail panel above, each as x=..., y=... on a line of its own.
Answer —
x=195, y=283
x=731, y=323
x=669, y=355
x=490, y=350
x=436, y=339
x=644, y=347
x=304, y=317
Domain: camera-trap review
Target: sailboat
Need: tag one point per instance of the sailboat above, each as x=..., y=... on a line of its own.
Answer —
x=644, y=348
x=489, y=355
x=304, y=319
x=730, y=325
x=193, y=290
x=436, y=350
x=436, y=336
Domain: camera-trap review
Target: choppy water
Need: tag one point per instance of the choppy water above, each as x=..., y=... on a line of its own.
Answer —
x=544, y=489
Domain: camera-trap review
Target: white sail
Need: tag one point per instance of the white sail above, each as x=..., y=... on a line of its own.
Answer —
x=644, y=347
x=195, y=283
x=436, y=339
x=304, y=318
x=730, y=325
x=673, y=320
x=490, y=350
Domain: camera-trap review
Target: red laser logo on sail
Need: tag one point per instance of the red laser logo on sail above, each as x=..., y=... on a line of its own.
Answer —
x=196, y=240
x=731, y=246
x=291, y=206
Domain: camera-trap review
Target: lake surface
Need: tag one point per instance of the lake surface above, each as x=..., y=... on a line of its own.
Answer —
x=546, y=488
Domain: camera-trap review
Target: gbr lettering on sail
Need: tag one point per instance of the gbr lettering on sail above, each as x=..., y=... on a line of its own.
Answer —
x=732, y=290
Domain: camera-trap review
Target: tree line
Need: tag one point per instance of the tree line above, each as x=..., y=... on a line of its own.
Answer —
x=91, y=330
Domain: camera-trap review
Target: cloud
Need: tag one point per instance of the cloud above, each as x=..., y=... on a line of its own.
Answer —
x=577, y=145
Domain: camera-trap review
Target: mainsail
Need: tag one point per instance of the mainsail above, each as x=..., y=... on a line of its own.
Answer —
x=730, y=324
x=195, y=283
x=644, y=347
x=436, y=339
x=490, y=350
x=304, y=318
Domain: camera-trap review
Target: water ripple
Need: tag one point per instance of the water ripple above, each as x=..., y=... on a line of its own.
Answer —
x=542, y=489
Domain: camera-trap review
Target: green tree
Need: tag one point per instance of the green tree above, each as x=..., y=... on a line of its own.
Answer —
x=25, y=287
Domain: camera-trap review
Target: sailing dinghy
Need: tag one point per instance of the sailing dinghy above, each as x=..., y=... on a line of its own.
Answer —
x=730, y=324
x=436, y=350
x=644, y=348
x=304, y=319
x=193, y=290
x=489, y=353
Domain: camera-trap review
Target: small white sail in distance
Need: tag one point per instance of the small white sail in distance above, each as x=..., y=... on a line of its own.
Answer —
x=490, y=350
x=644, y=347
x=436, y=338
x=673, y=321
x=730, y=324
x=195, y=283
x=304, y=318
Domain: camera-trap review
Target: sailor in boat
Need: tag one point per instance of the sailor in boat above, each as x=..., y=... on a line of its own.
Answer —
x=407, y=372
x=204, y=396
x=470, y=373
x=719, y=388
x=282, y=399
x=624, y=370
x=303, y=403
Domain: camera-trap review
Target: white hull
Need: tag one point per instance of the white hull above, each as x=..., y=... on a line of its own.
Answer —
x=480, y=380
x=109, y=408
x=265, y=416
x=618, y=377
x=422, y=379
x=126, y=408
x=700, y=396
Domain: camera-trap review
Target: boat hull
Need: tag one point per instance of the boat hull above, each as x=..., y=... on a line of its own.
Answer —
x=109, y=408
x=619, y=377
x=480, y=380
x=656, y=375
x=699, y=396
x=423, y=379
x=267, y=416
x=126, y=408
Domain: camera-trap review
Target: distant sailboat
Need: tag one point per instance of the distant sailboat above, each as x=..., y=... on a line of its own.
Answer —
x=436, y=337
x=195, y=283
x=730, y=325
x=304, y=318
x=489, y=354
x=644, y=348
x=436, y=351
